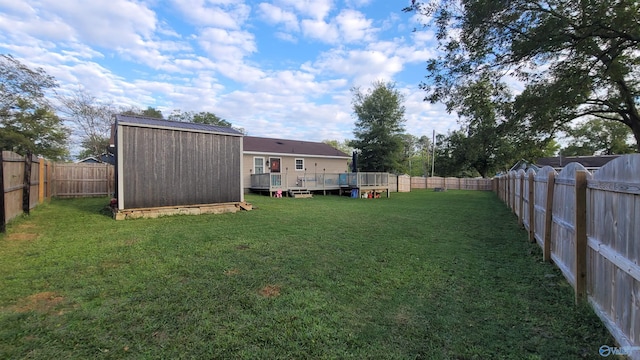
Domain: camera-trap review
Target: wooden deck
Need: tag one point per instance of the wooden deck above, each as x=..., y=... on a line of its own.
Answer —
x=341, y=182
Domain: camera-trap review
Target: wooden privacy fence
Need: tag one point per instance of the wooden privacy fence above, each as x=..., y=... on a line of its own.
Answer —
x=589, y=226
x=451, y=183
x=27, y=181
x=83, y=180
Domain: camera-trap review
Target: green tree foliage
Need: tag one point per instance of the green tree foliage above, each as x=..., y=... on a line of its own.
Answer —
x=575, y=58
x=488, y=141
x=27, y=122
x=599, y=137
x=202, y=117
x=380, y=123
x=34, y=129
x=340, y=145
x=148, y=112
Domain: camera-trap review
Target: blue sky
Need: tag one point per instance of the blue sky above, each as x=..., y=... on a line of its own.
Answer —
x=277, y=68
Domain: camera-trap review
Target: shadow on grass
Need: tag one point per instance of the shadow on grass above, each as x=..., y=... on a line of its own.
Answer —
x=95, y=205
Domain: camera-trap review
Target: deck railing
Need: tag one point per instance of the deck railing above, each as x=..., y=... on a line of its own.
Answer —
x=323, y=181
x=364, y=179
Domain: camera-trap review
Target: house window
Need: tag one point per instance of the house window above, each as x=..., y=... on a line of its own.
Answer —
x=258, y=165
x=299, y=164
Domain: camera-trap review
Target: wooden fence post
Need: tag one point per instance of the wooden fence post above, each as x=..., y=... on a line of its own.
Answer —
x=513, y=193
x=49, y=179
x=521, y=203
x=508, y=200
x=581, y=235
x=532, y=217
x=3, y=217
x=26, y=191
x=546, y=252
x=41, y=183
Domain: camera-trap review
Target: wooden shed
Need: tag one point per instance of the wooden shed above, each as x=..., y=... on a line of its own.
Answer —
x=166, y=167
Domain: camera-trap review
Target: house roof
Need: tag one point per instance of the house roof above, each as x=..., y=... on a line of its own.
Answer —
x=102, y=158
x=290, y=147
x=586, y=161
x=144, y=121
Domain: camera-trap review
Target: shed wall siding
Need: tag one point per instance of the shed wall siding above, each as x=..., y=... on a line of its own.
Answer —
x=164, y=167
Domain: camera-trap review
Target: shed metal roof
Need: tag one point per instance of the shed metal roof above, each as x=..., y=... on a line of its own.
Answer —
x=178, y=125
x=293, y=147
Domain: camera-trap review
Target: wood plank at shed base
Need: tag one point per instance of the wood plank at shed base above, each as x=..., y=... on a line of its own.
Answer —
x=152, y=213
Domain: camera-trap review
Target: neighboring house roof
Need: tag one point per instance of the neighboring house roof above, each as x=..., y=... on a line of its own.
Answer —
x=144, y=121
x=586, y=161
x=253, y=144
x=102, y=158
x=524, y=165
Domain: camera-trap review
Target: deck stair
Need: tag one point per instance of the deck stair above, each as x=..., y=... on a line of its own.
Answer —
x=300, y=193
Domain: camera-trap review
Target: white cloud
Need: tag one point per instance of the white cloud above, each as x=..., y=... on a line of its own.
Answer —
x=286, y=37
x=16, y=7
x=227, y=45
x=107, y=23
x=18, y=28
x=363, y=66
x=222, y=14
x=354, y=26
x=320, y=30
x=315, y=9
x=358, y=3
x=275, y=15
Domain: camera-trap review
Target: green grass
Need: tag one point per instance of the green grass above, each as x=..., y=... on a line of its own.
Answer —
x=421, y=275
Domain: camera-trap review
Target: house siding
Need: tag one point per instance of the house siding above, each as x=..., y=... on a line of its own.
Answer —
x=288, y=166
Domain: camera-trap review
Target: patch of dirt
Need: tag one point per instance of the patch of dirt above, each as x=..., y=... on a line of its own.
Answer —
x=232, y=272
x=132, y=241
x=43, y=302
x=270, y=291
x=21, y=237
x=242, y=247
x=111, y=264
x=160, y=335
x=402, y=317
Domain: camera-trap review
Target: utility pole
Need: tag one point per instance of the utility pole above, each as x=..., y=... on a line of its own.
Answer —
x=433, y=156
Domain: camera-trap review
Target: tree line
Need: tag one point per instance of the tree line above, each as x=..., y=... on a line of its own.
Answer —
x=487, y=142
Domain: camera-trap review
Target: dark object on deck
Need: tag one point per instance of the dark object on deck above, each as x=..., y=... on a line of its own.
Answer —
x=354, y=162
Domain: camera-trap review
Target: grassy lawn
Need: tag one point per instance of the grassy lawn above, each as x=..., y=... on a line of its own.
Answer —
x=421, y=275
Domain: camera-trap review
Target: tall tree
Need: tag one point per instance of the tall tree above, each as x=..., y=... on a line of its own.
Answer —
x=425, y=152
x=340, y=145
x=148, y=112
x=18, y=83
x=380, y=123
x=36, y=130
x=202, y=117
x=408, y=153
x=599, y=137
x=575, y=58
x=91, y=120
x=27, y=122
